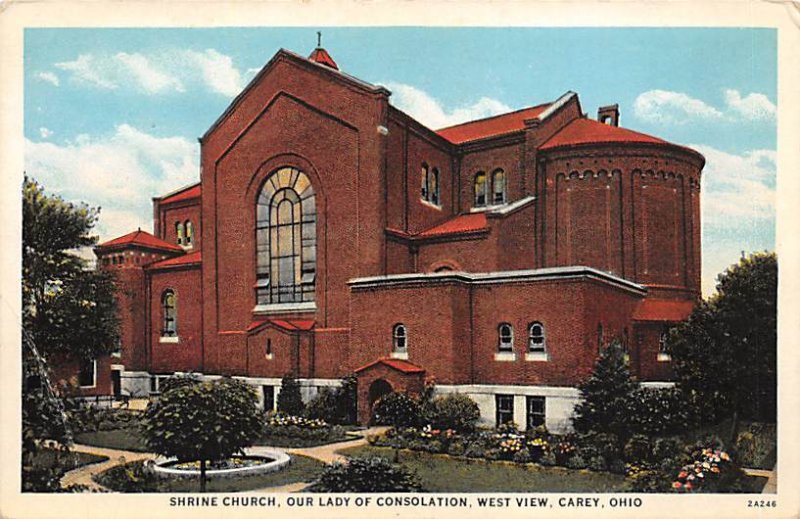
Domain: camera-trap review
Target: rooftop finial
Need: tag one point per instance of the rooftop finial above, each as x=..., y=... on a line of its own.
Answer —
x=319, y=38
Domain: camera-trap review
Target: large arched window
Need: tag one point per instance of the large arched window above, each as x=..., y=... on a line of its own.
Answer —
x=536, y=342
x=286, y=239
x=498, y=187
x=505, y=337
x=479, y=188
x=189, y=233
x=169, y=312
x=399, y=337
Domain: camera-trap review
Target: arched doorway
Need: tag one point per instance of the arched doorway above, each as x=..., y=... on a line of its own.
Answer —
x=377, y=389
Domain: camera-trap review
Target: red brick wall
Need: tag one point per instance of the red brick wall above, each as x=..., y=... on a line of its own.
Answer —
x=644, y=357
x=186, y=355
x=508, y=158
x=64, y=374
x=180, y=212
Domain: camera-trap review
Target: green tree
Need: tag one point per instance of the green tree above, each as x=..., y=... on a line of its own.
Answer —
x=205, y=421
x=289, y=399
x=68, y=312
x=606, y=396
x=724, y=355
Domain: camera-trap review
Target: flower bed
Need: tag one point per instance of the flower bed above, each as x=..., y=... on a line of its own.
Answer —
x=283, y=430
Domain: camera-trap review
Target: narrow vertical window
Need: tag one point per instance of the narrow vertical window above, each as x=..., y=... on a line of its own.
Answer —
x=505, y=337
x=536, y=411
x=536, y=342
x=480, y=190
x=434, y=186
x=87, y=376
x=169, y=313
x=504, y=406
x=399, y=337
x=425, y=180
x=189, y=238
x=286, y=239
x=498, y=187
x=179, y=232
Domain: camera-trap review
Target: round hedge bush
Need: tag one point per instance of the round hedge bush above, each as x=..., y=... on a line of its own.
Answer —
x=397, y=409
x=366, y=475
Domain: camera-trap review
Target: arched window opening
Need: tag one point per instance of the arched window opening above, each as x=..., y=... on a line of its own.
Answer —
x=536, y=342
x=399, y=337
x=444, y=268
x=179, y=232
x=433, y=187
x=480, y=190
x=189, y=233
x=286, y=239
x=170, y=314
x=505, y=337
x=498, y=187
x=425, y=179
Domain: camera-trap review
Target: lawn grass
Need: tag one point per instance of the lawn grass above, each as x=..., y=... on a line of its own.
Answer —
x=301, y=469
x=123, y=439
x=440, y=473
x=64, y=461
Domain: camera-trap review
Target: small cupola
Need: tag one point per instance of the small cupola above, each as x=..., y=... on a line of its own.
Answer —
x=608, y=115
x=321, y=56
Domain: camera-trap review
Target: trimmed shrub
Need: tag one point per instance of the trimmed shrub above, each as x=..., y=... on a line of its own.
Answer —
x=322, y=406
x=289, y=399
x=548, y=459
x=577, y=462
x=397, y=409
x=617, y=467
x=638, y=449
x=492, y=454
x=456, y=449
x=366, y=475
x=522, y=456
x=598, y=464
x=335, y=405
x=453, y=411
x=667, y=449
x=658, y=411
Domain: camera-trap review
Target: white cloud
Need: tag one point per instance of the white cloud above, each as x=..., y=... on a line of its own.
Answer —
x=663, y=106
x=150, y=78
x=120, y=173
x=752, y=106
x=87, y=69
x=163, y=72
x=738, y=207
x=431, y=113
x=45, y=132
x=48, y=77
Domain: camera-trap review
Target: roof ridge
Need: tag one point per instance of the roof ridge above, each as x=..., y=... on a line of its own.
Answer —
x=494, y=116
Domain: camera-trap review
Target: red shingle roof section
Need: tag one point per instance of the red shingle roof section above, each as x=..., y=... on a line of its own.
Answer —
x=140, y=238
x=185, y=194
x=660, y=310
x=286, y=324
x=589, y=131
x=187, y=259
x=464, y=223
x=400, y=365
x=491, y=126
x=321, y=56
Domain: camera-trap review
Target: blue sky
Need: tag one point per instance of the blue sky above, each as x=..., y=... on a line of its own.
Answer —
x=112, y=116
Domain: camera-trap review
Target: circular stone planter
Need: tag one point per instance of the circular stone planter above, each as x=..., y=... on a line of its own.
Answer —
x=279, y=460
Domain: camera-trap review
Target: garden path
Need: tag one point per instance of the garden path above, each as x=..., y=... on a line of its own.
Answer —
x=772, y=483
x=83, y=475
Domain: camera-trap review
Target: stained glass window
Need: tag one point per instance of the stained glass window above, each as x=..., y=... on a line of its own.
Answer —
x=169, y=311
x=286, y=239
x=498, y=187
x=480, y=189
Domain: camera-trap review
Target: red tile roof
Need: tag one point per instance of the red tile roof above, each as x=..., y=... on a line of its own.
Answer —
x=285, y=324
x=460, y=224
x=585, y=131
x=140, y=238
x=321, y=56
x=400, y=365
x=188, y=193
x=187, y=259
x=491, y=126
x=660, y=310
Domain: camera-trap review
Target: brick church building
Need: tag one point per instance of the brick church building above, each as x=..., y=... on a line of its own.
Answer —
x=331, y=233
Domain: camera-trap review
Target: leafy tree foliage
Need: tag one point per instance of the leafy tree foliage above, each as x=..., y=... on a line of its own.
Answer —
x=396, y=409
x=606, y=395
x=68, y=309
x=724, y=356
x=289, y=399
x=205, y=421
x=453, y=411
x=366, y=475
x=337, y=405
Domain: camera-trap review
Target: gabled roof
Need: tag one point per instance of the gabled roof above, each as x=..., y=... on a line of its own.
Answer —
x=185, y=193
x=663, y=310
x=289, y=325
x=491, y=126
x=400, y=365
x=460, y=224
x=589, y=131
x=139, y=238
x=194, y=258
